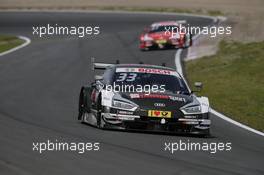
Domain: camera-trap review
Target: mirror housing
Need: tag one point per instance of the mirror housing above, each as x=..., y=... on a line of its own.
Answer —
x=98, y=77
x=198, y=86
x=146, y=29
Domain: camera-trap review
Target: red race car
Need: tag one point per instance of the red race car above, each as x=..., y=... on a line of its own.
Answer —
x=166, y=34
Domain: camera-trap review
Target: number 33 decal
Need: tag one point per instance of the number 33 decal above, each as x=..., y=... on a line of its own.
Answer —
x=126, y=77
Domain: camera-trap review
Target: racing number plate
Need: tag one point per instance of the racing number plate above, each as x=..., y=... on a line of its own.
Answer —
x=163, y=41
x=162, y=114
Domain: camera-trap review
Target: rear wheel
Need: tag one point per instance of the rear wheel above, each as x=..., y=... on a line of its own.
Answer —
x=187, y=40
x=99, y=112
x=84, y=102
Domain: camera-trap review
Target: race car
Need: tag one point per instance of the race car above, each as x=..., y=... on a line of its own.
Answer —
x=166, y=34
x=143, y=97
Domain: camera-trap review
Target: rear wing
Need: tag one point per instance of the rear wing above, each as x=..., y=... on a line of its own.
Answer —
x=103, y=66
x=181, y=21
x=100, y=66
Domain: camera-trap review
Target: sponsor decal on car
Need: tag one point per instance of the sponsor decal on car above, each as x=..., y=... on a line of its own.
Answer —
x=148, y=70
x=126, y=112
x=159, y=104
x=162, y=114
x=158, y=96
x=162, y=41
x=177, y=98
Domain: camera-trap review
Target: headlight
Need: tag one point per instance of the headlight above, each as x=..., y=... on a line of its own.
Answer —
x=191, y=109
x=123, y=105
x=147, y=38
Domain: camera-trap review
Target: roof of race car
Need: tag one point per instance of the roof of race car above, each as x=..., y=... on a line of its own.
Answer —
x=165, y=23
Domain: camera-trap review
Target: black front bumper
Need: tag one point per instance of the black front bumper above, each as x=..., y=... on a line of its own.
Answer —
x=148, y=124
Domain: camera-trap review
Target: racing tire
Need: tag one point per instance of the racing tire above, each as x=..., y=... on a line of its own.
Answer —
x=84, y=115
x=99, y=120
x=84, y=102
x=99, y=113
x=144, y=49
x=187, y=41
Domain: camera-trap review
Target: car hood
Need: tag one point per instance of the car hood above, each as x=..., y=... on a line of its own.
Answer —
x=159, y=36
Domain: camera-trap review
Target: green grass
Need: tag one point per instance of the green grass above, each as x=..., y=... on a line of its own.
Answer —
x=142, y=9
x=8, y=42
x=162, y=9
x=215, y=13
x=234, y=81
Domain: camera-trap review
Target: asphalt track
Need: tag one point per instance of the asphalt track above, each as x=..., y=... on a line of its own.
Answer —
x=39, y=88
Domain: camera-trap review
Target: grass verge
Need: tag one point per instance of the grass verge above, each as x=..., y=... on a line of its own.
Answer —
x=132, y=9
x=8, y=42
x=233, y=80
x=163, y=9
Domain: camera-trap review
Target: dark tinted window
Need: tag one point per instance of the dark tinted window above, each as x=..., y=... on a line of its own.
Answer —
x=163, y=28
x=171, y=83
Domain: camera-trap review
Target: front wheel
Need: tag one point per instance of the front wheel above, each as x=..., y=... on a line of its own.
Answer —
x=98, y=118
x=83, y=117
x=99, y=112
x=187, y=40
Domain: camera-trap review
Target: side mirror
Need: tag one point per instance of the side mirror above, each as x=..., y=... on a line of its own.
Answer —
x=98, y=77
x=98, y=82
x=93, y=84
x=198, y=86
x=146, y=30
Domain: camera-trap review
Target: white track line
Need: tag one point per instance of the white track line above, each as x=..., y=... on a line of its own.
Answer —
x=178, y=61
x=235, y=122
x=27, y=41
x=179, y=70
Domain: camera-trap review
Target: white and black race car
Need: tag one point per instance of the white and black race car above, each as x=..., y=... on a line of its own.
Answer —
x=143, y=97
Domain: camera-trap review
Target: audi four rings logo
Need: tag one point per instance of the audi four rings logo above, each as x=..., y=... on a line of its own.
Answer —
x=159, y=104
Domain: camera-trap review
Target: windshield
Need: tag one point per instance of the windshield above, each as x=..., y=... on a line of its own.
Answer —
x=170, y=83
x=157, y=28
